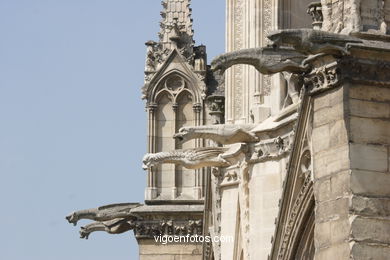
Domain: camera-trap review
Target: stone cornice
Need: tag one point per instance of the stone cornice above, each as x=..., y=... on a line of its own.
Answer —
x=148, y=229
x=347, y=69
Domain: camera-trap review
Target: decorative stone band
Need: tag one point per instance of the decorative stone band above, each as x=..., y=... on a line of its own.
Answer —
x=348, y=69
x=301, y=205
x=272, y=148
x=148, y=229
x=323, y=78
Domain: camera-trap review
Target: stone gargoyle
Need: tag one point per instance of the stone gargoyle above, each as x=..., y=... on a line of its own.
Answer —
x=103, y=213
x=267, y=60
x=223, y=134
x=309, y=41
x=194, y=158
x=115, y=226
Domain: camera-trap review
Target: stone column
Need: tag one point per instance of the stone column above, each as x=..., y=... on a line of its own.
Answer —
x=198, y=189
x=175, y=177
x=351, y=139
x=151, y=189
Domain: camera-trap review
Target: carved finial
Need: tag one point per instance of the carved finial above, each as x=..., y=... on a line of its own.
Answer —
x=315, y=11
x=176, y=24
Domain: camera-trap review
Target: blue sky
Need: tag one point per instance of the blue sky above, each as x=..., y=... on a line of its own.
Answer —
x=73, y=125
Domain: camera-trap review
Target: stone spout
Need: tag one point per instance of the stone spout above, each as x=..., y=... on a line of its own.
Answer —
x=190, y=158
x=115, y=226
x=103, y=213
x=223, y=134
x=309, y=41
x=267, y=60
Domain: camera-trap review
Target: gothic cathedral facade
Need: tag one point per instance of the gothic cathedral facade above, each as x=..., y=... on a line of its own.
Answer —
x=282, y=143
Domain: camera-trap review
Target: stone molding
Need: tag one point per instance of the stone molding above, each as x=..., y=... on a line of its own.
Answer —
x=272, y=149
x=323, y=78
x=294, y=208
x=303, y=203
x=348, y=69
x=147, y=229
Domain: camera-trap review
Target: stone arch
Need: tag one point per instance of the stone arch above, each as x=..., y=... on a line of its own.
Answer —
x=188, y=83
x=165, y=128
x=173, y=103
x=185, y=116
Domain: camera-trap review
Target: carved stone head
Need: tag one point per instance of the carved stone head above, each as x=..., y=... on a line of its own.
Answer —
x=72, y=218
x=285, y=37
x=184, y=134
x=149, y=161
x=84, y=233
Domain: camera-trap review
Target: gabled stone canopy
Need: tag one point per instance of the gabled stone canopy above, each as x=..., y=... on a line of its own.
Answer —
x=294, y=230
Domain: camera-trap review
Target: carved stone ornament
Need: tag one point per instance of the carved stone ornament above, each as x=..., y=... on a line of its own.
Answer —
x=309, y=41
x=301, y=204
x=315, y=11
x=295, y=221
x=216, y=106
x=363, y=16
x=195, y=158
x=191, y=158
x=348, y=69
x=244, y=206
x=324, y=78
x=155, y=56
x=272, y=148
x=115, y=226
x=267, y=60
x=113, y=219
x=103, y=213
x=151, y=228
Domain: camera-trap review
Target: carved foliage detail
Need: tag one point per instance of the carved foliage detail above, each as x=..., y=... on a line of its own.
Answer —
x=272, y=148
x=348, y=69
x=151, y=228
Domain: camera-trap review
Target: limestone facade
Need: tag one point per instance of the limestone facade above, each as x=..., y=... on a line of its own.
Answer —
x=301, y=167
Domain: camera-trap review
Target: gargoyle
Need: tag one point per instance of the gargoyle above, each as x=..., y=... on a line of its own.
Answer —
x=309, y=41
x=266, y=60
x=190, y=158
x=223, y=134
x=115, y=226
x=103, y=213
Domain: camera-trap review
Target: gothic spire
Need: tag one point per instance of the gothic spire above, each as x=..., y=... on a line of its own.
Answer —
x=176, y=25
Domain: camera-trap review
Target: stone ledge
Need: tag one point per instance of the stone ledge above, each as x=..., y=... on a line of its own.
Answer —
x=168, y=209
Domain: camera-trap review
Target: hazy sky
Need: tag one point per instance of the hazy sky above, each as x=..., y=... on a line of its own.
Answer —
x=73, y=125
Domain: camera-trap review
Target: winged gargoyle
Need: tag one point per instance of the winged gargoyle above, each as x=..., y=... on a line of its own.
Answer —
x=115, y=226
x=189, y=158
x=223, y=134
x=309, y=41
x=267, y=60
x=103, y=213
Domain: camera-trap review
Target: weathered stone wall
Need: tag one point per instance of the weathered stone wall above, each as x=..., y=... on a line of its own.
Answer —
x=149, y=250
x=369, y=123
x=331, y=175
x=351, y=138
x=265, y=192
x=229, y=218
